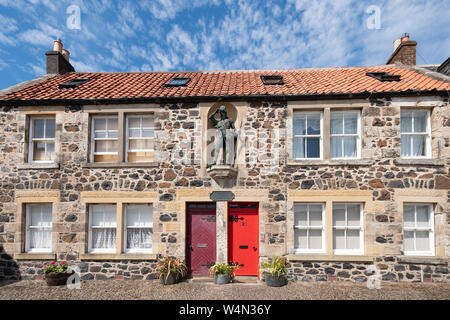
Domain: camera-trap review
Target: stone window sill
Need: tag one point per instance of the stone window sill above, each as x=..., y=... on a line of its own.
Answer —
x=329, y=258
x=124, y=256
x=356, y=162
x=38, y=166
x=422, y=260
x=34, y=256
x=120, y=165
x=414, y=162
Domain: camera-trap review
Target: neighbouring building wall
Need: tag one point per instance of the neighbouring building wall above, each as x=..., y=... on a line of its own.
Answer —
x=178, y=175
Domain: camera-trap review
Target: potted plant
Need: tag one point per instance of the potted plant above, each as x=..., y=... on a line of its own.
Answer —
x=171, y=270
x=275, y=272
x=223, y=272
x=56, y=273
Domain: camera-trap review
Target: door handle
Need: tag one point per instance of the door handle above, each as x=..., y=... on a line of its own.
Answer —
x=255, y=248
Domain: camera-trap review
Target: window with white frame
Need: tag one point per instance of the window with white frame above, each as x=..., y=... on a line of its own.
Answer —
x=307, y=135
x=345, y=134
x=418, y=229
x=138, y=232
x=38, y=236
x=102, y=228
x=348, y=235
x=42, y=139
x=104, y=136
x=415, y=133
x=309, y=228
x=140, y=138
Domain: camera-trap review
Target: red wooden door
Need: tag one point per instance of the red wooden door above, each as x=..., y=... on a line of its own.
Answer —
x=200, y=237
x=243, y=240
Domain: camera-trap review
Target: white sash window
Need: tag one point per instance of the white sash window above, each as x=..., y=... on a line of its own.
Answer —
x=348, y=235
x=416, y=134
x=105, y=139
x=418, y=229
x=345, y=135
x=309, y=228
x=140, y=138
x=42, y=140
x=102, y=228
x=138, y=235
x=307, y=135
x=38, y=228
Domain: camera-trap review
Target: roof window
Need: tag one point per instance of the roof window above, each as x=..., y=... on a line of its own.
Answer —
x=178, y=82
x=272, y=79
x=383, y=76
x=72, y=83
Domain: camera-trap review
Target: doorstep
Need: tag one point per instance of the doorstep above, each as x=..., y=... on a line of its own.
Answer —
x=238, y=280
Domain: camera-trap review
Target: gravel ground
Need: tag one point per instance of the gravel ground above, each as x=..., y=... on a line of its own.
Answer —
x=153, y=290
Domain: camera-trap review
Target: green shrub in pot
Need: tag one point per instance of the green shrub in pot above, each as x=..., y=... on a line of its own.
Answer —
x=275, y=271
x=171, y=270
x=222, y=272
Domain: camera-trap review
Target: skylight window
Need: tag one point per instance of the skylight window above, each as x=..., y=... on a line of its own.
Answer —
x=178, y=82
x=272, y=80
x=383, y=76
x=72, y=83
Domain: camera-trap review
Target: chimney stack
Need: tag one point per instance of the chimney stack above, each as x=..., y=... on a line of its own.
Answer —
x=404, y=51
x=58, y=59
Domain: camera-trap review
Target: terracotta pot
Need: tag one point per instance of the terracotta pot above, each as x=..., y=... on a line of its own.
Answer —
x=57, y=278
x=170, y=279
x=275, y=281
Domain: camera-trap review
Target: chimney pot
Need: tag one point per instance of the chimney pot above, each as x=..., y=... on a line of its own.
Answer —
x=66, y=54
x=57, y=45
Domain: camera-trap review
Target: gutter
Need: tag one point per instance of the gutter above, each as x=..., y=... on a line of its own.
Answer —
x=197, y=99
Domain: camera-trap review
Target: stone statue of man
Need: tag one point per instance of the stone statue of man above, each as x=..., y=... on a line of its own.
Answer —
x=224, y=136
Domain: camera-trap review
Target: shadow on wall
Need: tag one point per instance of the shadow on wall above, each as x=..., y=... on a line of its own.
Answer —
x=9, y=269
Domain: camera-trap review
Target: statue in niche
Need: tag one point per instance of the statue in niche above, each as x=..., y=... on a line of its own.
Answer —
x=225, y=135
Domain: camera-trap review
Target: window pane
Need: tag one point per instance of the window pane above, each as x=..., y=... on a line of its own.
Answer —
x=408, y=241
x=336, y=147
x=50, y=151
x=353, y=215
x=350, y=123
x=103, y=238
x=422, y=216
x=39, y=151
x=313, y=124
x=420, y=121
x=101, y=134
x=147, y=133
x=299, y=148
x=134, y=122
x=338, y=239
x=140, y=144
x=299, y=124
x=315, y=215
x=419, y=143
x=300, y=239
x=99, y=124
x=349, y=147
x=38, y=128
x=147, y=122
x=139, y=238
x=337, y=123
x=339, y=215
x=408, y=217
x=300, y=218
x=406, y=146
x=40, y=239
x=422, y=241
x=313, y=147
x=50, y=128
x=406, y=121
x=112, y=124
x=40, y=215
x=103, y=215
x=315, y=239
x=353, y=239
x=134, y=133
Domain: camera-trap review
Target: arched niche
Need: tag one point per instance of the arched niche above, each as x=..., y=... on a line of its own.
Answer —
x=233, y=115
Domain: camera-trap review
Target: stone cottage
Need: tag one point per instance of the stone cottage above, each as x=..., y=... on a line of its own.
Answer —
x=344, y=171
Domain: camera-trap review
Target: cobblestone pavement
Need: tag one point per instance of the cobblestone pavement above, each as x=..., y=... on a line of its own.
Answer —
x=153, y=290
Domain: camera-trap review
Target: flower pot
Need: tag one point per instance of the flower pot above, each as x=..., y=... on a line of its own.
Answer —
x=222, y=278
x=274, y=280
x=57, y=278
x=172, y=278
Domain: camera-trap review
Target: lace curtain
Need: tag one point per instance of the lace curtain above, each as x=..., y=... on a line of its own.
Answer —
x=103, y=226
x=139, y=222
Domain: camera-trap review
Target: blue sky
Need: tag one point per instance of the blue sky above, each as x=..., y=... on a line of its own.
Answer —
x=161, y=35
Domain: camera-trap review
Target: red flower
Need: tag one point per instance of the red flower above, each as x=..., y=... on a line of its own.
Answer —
x=53, y=262
x=64, y=262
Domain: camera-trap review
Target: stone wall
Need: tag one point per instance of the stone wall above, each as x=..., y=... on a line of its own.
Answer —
x=178, y=130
